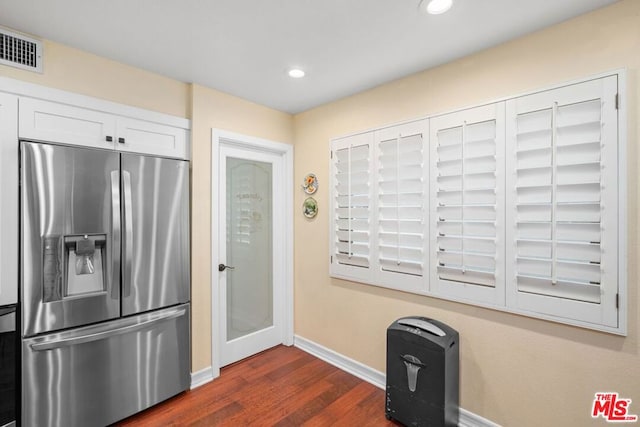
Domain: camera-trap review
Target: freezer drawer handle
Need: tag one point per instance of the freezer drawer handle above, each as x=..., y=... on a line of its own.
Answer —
x=107, y=334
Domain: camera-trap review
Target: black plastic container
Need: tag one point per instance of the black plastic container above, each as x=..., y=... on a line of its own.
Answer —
x=422, y=373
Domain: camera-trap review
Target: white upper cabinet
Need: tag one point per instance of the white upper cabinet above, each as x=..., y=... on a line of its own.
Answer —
x=562, y=202
x=152, y=138
x=50, y=121
x=9, y=196
x=467, y=211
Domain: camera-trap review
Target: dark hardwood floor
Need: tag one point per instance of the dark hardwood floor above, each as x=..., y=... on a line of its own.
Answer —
x=283, y=386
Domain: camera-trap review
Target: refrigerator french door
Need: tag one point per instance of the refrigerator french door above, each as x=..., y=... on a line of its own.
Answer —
x=104, y=283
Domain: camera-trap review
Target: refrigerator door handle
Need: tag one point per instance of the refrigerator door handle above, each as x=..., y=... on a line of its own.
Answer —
x=115, y=233
x=81, y=339
x=128, y=235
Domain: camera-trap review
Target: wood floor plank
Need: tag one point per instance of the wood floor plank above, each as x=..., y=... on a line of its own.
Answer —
x=367, y=408
x=339, y=407
x=342, y=383
x=283, y=387
x=270, y=397
x=219, y=416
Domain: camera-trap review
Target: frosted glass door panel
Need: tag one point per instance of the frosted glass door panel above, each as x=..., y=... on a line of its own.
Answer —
x=249, y=247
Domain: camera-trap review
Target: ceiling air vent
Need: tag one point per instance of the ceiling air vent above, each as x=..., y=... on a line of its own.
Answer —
x=19, y=51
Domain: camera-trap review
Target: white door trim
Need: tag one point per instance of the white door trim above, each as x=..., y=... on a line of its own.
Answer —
x=258, y=144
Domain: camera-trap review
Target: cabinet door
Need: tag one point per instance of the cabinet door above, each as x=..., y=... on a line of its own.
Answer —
x=139, y=136
x=53, y=122
x=9, y=198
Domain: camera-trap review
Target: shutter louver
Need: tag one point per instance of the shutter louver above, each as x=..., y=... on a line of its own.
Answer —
x=467, y=189
x=400, y=204
x=352, y=205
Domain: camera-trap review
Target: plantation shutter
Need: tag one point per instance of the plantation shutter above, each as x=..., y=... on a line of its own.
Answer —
x=352, y=189
x=402, y=205
x=467, y=215
x=562, y=203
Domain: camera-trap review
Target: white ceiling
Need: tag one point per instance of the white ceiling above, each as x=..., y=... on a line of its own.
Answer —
x=245, y=47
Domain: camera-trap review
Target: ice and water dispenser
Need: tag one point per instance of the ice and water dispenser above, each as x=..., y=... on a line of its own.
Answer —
x=74, y=265
x=422, y=373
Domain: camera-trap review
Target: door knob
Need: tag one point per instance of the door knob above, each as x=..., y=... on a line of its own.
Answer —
x=222, y=267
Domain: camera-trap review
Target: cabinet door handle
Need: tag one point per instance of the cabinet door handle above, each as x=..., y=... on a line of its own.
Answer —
x=109, y=138
x=121, y=140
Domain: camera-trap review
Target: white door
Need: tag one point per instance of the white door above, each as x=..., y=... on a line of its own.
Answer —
x=251, y=251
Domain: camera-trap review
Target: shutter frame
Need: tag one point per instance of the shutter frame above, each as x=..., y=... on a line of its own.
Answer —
x=572, y=299
x=568, y=189
x=388, y=275
x=359, y=269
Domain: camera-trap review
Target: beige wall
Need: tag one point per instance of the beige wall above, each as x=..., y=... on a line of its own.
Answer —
x=516, y=371
x=76, y=71
x=214, y=109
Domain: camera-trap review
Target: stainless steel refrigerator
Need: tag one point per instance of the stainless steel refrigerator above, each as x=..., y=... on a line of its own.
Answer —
x=104, y=310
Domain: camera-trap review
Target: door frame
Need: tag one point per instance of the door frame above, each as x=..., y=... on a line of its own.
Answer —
x=219, y=136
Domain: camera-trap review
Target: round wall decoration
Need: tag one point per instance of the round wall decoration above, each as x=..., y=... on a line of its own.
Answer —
x=310, y=207
x=310, y=185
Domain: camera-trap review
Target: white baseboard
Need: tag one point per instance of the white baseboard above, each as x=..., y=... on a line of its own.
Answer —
x=338, y=360
x=469, y=419
x=201, y=377
x=377, y=378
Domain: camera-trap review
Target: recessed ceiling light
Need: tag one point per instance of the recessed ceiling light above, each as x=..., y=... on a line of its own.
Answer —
x=436, y=7
x=296, y=73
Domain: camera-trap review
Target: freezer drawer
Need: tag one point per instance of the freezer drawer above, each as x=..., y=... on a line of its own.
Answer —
x=97, y=375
